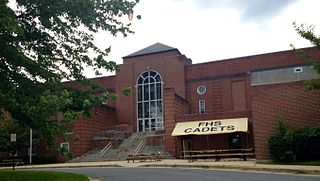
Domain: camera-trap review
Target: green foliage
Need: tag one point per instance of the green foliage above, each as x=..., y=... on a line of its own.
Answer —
x=308, y=144
x=45, y=159
x=281, y=143
x=9, y=175
x=67, y=153
x=291, y=145
x=10, y=126
x=307, y=32
x=45, y=42
x=127, y=91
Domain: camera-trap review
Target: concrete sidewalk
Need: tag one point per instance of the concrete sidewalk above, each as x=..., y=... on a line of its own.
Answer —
x=208, y=164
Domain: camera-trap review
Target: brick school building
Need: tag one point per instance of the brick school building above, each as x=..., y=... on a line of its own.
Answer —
x=223, y=104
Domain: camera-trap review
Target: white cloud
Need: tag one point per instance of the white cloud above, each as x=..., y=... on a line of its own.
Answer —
x=215, y=32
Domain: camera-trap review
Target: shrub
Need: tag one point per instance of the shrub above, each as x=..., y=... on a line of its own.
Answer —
x=45, y=159
x=290, y=145
x=281, y=143
x=308, y=144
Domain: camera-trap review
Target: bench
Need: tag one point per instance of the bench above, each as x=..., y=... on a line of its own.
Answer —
x=8, y=162
x=144, y=157
x=219, y=154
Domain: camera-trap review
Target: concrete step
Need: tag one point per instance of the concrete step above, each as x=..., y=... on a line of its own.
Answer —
x=90, y=156
x=127, y=147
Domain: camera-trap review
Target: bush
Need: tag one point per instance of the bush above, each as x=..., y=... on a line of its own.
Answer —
x=308, y=144
x=290, y=145
x=45, y=159
x=281, y=143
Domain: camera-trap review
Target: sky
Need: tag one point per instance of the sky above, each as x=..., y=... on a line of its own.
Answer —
x=209, y=30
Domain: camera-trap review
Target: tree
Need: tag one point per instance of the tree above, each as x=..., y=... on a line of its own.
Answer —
x=307, y=32
x=44, y=42
x=9, y=126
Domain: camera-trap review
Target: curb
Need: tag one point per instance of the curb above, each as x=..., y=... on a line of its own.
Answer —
x=275, y=170
x=94, y=179
x=259, y=168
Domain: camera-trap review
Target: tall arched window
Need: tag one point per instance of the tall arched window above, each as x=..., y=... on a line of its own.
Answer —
x=149, y=102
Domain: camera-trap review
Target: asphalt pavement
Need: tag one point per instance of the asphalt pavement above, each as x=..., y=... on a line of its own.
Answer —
x=181, y=174
x=211, y=164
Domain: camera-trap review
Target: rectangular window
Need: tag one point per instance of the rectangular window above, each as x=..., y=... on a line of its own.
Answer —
x=140, y=110
x=152, y=92
x=159, y=109
x=146, y=110
x=34, y=152
x=202, y=106
x=153, y=124
x=146, y=92
x=65, y=145
x=153, y=109
x=158, y=90
x=140, y=93
x=140, y=125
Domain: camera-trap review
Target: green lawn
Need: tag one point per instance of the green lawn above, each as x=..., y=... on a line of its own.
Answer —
x=18, y=175
x=310, y=163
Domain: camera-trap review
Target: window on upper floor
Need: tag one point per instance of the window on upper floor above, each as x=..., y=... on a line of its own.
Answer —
x=65, y=146
x=149, y=102
x=202, y=106
x=201, y=89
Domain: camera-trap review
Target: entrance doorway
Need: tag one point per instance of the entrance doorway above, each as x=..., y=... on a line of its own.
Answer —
x=186, y=144
x=234, y=141
x=146, y=125
x=149, y=102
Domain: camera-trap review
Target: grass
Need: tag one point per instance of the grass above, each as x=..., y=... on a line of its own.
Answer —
x=309, y=163
x=18, y=175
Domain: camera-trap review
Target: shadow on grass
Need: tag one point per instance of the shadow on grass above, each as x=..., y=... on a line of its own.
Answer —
x=309, y=163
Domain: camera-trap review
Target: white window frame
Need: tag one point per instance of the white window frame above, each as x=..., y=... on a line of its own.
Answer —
x=202, y=108
x=199, y=87
x=65, y=143
x=34, y=150
x=159, y=121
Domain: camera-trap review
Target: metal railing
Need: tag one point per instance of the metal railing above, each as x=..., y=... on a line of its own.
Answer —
x=105, y=149
x=113, y=132
x=134, y=137
x=109, y=145
x=104, y=135
x=137, y=150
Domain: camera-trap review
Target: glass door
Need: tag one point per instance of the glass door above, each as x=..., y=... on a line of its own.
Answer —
x=149, y=102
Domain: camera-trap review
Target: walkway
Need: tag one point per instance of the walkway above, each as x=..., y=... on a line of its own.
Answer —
x=238, y=165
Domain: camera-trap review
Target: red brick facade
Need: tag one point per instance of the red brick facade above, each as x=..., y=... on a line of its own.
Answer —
x=229, y=94
x=83, y=130
x=288, y=100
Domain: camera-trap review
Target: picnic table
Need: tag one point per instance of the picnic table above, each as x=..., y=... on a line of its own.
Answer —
x=144, y=157
x=8, y=162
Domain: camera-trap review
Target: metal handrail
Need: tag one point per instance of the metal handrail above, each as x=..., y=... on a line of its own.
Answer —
x=105, y=149
x=133, y=138
x=120, y=136
x=108, y=146
x=137, y=150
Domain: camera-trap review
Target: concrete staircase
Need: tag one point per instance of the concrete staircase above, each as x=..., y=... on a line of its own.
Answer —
x=90, y=156
x=132, y=145
x=128, y=146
